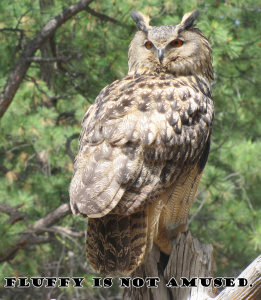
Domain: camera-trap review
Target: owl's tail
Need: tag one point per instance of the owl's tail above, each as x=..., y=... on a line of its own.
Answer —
x=116, y=244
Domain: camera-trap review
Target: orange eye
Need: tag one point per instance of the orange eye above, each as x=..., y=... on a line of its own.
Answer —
x=148, y=45
x=176, y=43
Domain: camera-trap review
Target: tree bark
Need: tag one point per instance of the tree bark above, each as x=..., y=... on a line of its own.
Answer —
x=251, y=291
x=190, y=259
x=47, y=49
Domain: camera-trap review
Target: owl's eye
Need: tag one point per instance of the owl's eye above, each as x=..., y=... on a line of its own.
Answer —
x=176, y=43
x=148, y=45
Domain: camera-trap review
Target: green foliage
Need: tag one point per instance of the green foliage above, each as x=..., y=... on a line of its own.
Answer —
x=47, y=109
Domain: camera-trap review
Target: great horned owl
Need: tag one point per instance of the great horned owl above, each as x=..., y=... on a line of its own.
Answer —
x=143, y=146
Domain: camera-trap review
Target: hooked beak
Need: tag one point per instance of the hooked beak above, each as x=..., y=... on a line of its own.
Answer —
x=161, y=55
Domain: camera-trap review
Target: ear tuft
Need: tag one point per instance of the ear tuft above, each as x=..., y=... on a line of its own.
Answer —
x=188, y=19
x=141, y=20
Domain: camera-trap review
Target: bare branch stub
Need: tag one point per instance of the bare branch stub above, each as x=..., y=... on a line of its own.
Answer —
x=17, y=75
x=191, y=259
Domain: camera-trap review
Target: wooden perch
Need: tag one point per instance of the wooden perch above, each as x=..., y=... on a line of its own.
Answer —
x=178, y=276
x=251, y=291
x=192, y=259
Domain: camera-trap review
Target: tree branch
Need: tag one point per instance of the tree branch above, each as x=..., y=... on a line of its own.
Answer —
x=21, y=67
x=6, y=170
x=105, y=18
x=13, y=212
x=41, y=90
x=52, y=218
x=31, y=237
x=65, y=231
x=48, y=59
x=68, y=148
x=11, y=29
x=252, y=290
x=229, y=131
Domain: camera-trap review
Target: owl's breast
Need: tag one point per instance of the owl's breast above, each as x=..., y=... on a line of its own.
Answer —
x=165, y=118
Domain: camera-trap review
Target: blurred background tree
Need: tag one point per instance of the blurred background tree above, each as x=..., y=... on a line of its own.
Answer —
x=39, y=131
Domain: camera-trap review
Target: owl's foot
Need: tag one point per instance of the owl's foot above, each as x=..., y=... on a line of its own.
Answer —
x=165, y=237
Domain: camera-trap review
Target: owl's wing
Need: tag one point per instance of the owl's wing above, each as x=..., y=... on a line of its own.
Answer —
x=141, y=134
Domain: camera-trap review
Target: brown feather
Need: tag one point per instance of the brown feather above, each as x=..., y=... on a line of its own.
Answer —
x=143, y=147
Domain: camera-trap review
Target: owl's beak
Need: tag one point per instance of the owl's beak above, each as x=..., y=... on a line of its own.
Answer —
x=161, y=55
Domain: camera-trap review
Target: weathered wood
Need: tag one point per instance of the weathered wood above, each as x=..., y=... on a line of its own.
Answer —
x=253, y=276
x=152, y=268
x=189, y=258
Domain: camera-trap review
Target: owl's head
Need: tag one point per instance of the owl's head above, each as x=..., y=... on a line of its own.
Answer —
x=181, y=50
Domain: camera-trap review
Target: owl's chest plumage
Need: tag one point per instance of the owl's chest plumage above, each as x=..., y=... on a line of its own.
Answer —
x=166, y=118
x=144, y=131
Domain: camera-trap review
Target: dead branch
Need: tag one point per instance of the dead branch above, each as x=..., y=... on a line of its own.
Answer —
x=39, y=240
x=21, y=67
x=251, y=291
x=65, y=231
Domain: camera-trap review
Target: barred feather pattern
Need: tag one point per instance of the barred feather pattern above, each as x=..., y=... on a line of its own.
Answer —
x=141, y=134
x=136, y=140
x=116, y=243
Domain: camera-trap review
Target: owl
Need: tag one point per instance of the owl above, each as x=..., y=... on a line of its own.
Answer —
x=143, y=146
